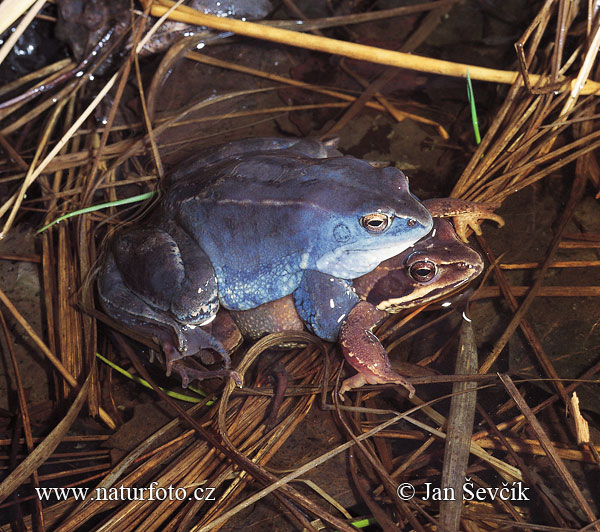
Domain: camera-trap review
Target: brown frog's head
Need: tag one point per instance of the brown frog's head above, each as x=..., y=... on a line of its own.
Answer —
x=433, y=268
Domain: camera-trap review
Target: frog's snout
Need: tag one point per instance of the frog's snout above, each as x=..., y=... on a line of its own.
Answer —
x=421, y=217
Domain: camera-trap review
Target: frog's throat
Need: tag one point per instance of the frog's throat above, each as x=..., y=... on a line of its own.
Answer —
x=337, y=262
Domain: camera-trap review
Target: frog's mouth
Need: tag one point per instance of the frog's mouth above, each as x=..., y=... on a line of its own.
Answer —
x=349, y=262
x=426, y=293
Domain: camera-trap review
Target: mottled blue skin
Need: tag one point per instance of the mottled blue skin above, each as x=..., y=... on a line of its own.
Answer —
x=347, y=311
x=431, y=268
x=265, y=219
x=323, y=302
x=243, y=223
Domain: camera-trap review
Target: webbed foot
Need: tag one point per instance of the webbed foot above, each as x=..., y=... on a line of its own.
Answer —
x=465, y=214
x=192, y=340
x=178, y=334
x=364, y=352
x=188, y=374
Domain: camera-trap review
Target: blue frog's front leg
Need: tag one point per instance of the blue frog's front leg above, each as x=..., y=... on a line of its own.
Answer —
x=333, y=311
x=323, y=303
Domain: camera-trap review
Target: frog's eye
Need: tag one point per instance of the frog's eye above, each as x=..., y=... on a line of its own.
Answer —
x=422, y=271
x=376, y=222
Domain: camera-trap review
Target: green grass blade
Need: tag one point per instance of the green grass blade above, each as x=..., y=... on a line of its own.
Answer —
x=146, y=384
x=124, y=201
x=471, y=98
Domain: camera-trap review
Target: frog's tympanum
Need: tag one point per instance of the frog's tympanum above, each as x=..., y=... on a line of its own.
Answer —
x=431, y=269
x=249, y=223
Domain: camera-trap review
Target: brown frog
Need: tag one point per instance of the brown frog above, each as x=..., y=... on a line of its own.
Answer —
x=433, y=268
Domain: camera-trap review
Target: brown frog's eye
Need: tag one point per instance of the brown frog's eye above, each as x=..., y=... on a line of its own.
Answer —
x=376, y=222
x=422, y=271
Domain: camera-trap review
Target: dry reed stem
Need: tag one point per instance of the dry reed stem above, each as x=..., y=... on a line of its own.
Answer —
x=374, y=467
x=386, y=105
x=353, y=50
x=298, y=472
x=522, y=445
x=68, y=320
x=77, y=439
x=269, y=445
x=38, y=110
x=361, y=485
x=258, y=472
x=460, y=427
x=34, y=173
x=47, y=353
x=544, y=291
x=26, y=421
x=533, y=447
x=517, y=420
x=335, y=21
x=575, y=195
x=527, y=330
x=12, y=153
x=545, y=442
x=188, y=477
x=426, y=27
x=9, y=107
x=241, y=418
x=532, y=479
x=504, y=469
x=208, y=60
x=248, y=419
x=23, y=25
x=41, y=453
x=88, y=508
x=49, y=70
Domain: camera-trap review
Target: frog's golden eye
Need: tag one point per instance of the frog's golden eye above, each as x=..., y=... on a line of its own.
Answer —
x=376, y=222
x=422, y=271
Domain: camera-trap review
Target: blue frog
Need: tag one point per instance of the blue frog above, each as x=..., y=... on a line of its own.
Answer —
x=248, y=223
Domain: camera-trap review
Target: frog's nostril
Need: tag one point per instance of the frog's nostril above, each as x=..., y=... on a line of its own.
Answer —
x=411, y=222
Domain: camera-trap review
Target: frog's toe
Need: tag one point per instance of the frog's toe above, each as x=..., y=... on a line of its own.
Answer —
x=374, y=373
x=181, y=370
x=172, y=355
x=466, y=215
x=188, y=374
x=360, y=379
x=473, y=221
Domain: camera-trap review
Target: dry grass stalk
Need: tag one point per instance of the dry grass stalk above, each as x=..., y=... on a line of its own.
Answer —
x=430, y=22
x=10, y=17
x=40, y=454
x=348, y=49
x=460, y=428
x=556, y=264
x=49, y=70
x=544, y=291
x=549, y=449
x=46, y=352
x=527, y=330
x=24, y=413
x=516, y=148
